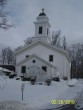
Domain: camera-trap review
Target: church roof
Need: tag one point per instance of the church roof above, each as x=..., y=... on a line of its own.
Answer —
x=42, y=14
x=45, y=43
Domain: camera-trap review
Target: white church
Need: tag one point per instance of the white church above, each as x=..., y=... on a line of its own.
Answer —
x=40, y=58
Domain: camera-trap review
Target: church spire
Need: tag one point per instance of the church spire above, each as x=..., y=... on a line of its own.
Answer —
x=42, y=26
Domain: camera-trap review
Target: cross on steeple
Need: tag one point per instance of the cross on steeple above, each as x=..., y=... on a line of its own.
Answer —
x=42, y=10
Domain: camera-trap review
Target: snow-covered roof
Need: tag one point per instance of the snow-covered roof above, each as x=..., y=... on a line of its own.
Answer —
x=5, y=70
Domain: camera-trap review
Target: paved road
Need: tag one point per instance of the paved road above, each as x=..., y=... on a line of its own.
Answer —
x=70, y=107
x=67, y=107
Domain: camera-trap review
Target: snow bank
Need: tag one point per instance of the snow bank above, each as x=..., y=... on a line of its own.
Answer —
x=37, y=96
x=72, y=82
x=11, y=105
x=34, y=95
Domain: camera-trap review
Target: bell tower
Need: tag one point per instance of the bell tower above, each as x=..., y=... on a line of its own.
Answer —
x=42, y=25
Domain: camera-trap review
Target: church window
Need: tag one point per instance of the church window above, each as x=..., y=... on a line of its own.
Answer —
x=44, y=68
x=27, y=56
x=51, y=58
x=23, y=69
x=40, y=30
x=47, y=31
x=33, y=61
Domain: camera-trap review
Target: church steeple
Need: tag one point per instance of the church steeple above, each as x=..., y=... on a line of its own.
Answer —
x=42, y=25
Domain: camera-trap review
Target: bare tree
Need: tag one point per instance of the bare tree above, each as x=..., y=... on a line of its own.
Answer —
x=3, y=16
x=2, y=2
x=3, y=56
x=28, y=41
x=18, y=48
x=64, y=43
x=56, y=38
x=76, y=52
x=8, y=56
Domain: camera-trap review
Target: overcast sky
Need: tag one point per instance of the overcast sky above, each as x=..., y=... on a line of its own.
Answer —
x=64, y=15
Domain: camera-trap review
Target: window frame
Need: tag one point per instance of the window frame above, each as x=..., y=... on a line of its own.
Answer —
x=47, y=31
x=51, y=58
x=40, y=29
x=44, y=68
x=27, y=56
x=23, y=69
x=33, y=61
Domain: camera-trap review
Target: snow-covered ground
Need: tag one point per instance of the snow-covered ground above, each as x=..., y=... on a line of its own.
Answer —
x=36, y=96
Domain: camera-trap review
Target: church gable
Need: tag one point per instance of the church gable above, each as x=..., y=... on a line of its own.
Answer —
x=40, y=45
x=34, y=66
